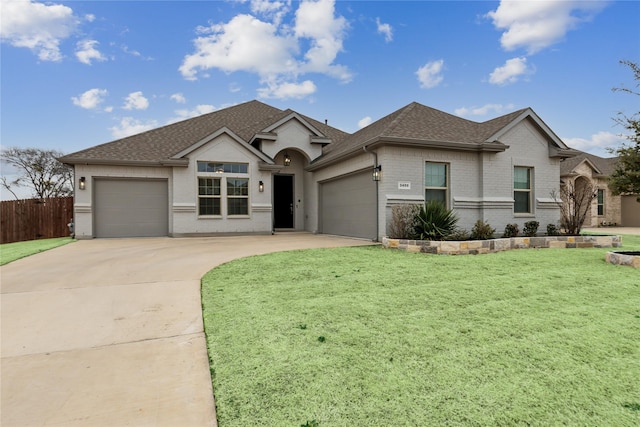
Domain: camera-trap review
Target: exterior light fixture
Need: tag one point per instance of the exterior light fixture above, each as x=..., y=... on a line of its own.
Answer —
x=261, y=186
x=377, y=172
x=287, y=160
x=83, y=183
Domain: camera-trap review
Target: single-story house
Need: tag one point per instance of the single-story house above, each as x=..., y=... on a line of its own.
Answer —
x=253, y=168
x=606, y=209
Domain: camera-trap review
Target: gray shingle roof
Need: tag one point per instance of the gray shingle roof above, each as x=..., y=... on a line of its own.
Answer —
x=606, y=166
x=420, y=123
x=161, y=144
x=414, y=122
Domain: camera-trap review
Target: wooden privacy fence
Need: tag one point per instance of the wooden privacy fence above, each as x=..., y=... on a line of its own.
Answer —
x=32, y=219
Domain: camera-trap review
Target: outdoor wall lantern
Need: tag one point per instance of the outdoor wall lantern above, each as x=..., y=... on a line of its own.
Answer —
x=287, y=159
x=377, y=172
x=83, y=182
x=261, y=186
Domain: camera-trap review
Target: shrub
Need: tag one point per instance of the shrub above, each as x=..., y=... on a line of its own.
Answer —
x=511, y=230
x=434, y=221
x=531, y=228
x=552, y=230
x=459, y=234
x=403, y=218
x=482, y=231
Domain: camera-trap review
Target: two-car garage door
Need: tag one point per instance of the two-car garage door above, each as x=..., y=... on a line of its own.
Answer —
x=348, y=206
x=130, y=207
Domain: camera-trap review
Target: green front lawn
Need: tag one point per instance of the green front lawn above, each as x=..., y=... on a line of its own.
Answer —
x=375, y=337
x=13, y=251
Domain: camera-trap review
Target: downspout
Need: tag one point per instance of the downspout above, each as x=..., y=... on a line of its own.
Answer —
x=375, y=165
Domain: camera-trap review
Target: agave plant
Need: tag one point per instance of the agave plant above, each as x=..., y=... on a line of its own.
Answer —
x=434, y=221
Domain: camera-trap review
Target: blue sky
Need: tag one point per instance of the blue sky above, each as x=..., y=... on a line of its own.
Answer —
x=80, y=73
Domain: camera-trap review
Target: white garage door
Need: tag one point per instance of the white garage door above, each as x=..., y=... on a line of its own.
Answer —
x=130, y=208
x=349, y=206
x=630, y=211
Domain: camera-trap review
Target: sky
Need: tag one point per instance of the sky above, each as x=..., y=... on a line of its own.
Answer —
x=75, y=74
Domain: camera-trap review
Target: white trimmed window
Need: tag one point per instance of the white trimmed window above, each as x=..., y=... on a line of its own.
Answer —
x=237, y=196
x=223, y=187
x=522, y=189
x=436, y=182
x=209, y=196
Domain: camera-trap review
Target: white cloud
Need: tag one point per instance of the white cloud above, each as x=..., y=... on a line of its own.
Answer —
x=429, y=75
x=272, y=9
x=89, y=17
x=37, y=26
x=90, y=99
x=243, y=44
x=510, y=72
x=197, y=111
x=86, y=52
x=316, y=20
x=287, y=90
x=597, y=144
x=385, y=29
x=129, y=126
x=364, y=122
x=494, y=109
x=535, y=25
x=179, y=98
x=135, y=101
x=272, y=50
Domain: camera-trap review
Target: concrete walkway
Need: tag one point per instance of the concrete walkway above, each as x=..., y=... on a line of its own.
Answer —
x=109, y=332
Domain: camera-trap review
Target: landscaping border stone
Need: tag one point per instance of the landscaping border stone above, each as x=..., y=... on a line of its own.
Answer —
x=619, y=258
x=474, y=247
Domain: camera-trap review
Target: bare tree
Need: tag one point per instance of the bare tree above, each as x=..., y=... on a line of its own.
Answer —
x=575, y=203
x=39, y=170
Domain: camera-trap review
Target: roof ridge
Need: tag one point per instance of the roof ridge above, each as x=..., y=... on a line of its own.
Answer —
x=401, y=114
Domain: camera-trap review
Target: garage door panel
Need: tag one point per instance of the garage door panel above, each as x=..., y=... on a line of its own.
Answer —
x=130, y=208
x=349, y=206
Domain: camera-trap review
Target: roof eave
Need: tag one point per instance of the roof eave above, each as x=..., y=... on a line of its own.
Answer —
x=491, y=147
x=119, y=162
x=559, y=153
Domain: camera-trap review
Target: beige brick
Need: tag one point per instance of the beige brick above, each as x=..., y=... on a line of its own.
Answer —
x=557, y=244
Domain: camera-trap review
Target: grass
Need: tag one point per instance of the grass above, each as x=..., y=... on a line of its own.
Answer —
x=12, y=251
x=368, y=336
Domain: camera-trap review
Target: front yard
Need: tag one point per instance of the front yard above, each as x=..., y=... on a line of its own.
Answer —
x=12, y=251
x=368, y=336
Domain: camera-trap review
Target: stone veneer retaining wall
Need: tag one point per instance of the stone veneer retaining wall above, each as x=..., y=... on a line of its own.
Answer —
x=496, y=245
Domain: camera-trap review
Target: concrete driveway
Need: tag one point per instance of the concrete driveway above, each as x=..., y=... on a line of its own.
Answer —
x=109, y=332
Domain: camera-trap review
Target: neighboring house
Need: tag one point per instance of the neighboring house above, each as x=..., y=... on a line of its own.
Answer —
x=253, y=168
x=606, y=209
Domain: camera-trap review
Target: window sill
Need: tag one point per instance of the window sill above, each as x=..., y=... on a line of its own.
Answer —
x=238, y=217
x=209, y=216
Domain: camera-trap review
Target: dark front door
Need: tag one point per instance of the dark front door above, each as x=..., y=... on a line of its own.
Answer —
x=283, y=201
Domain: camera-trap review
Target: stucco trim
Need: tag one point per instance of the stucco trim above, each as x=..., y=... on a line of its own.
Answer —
x=482, y=202
x=261, y=207
x=400, y=199
x=184, y=207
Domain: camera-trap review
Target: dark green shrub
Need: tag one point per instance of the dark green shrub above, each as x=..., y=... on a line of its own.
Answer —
x=552, y=230
x=531, y=228
x=403, y=219
x=482, y=231
x=434, y=221
x=511, y=230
